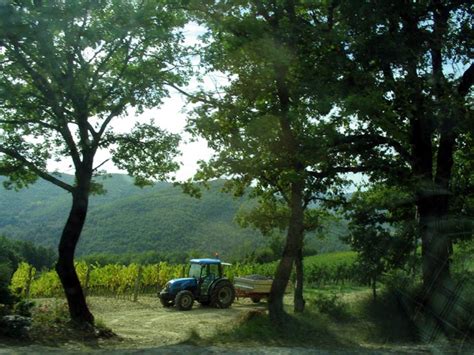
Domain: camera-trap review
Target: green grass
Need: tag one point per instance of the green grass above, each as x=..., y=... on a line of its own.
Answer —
x=343, y=289
x=302, y=330
x=349, y=320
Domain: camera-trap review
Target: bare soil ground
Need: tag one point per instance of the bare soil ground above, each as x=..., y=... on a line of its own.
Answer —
x=146, y=323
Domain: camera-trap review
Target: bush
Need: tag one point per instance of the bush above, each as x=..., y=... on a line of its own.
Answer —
x=15, y=326
x=23, y=308
x=399, y=282
x=329, y=304
x=6, y=296
x=15, y=320
x=55, y=313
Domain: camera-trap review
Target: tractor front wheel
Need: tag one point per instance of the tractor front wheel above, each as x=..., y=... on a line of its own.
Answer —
x=223, y=295
x=184, y=300
x=167, y=303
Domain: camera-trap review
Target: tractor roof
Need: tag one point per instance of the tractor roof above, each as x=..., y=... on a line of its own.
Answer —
x=205, y=261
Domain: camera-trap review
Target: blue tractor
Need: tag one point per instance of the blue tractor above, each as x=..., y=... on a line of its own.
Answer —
x=205, y=284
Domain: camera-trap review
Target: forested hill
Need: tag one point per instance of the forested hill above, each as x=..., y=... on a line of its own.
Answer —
x=129, y=219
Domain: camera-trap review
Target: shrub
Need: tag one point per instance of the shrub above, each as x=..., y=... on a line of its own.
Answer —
x=15, y=326
x=6, y=297
x=330, y=304
x=23, y=308
x=50, y=314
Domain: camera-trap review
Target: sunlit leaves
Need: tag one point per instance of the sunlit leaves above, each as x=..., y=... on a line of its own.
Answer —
x=147, y=153
x=68, y=69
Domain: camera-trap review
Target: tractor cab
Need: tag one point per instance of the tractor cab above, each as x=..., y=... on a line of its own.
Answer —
x=205, y=271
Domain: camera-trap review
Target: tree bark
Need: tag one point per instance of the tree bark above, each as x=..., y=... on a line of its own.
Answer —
x=78, y=309
x=294, y=243
x=299, y=301
x=374, y=287
x=435, y=245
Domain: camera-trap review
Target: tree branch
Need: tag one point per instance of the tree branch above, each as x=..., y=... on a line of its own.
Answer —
x=101, y=164
x=40, y=123
x=338, y=170
x=373, y=140
x=48, y=177
x=191, y=96
x=42, y=84
x=467, y=80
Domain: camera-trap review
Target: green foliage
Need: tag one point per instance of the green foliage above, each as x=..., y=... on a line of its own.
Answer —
x=463, y=263
x=147, y=153
x=119, y=280
x=9, y=260
x=330, y=304
x=82, y=65
x=461, y=227
x=24, y=308
x=6, y=297
x=331, y=268
x=381, y=231
x=22, y=278
x=68, y=70
x=50, y=316
x=147, y=225
x=410, y=126
x=12, y=251
x=269, y=125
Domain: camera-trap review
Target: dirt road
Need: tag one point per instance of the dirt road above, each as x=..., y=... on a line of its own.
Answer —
x=146, y=323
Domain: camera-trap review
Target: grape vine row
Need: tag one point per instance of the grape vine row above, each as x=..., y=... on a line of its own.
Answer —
x=125, y=280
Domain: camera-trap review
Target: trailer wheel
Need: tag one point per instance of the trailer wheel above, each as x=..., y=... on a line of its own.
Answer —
x=184, y=300
x=255, y=299
x=223, y=295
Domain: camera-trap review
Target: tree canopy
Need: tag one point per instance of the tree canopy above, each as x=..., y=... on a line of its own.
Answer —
x=68, y=69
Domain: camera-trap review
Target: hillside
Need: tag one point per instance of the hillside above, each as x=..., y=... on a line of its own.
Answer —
x=129, y=219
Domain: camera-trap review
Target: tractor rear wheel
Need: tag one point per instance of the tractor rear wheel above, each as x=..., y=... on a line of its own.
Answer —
x=184, y=300
x=223, y=295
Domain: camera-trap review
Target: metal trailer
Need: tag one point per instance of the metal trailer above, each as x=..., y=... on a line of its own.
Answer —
x=255, y=287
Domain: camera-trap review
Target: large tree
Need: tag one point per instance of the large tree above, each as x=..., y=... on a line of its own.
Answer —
x=68, y=69
x=408, y=79
x=269, y=125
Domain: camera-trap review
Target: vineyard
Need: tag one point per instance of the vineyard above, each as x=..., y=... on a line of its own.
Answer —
x=129, y=281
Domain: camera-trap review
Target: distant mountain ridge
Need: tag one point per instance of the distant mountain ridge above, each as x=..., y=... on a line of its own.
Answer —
x=129, y=219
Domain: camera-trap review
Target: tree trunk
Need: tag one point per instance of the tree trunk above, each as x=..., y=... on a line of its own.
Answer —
x=439, y=292
x=374, y=288
x=294, y=243
x=78, y=309
x=298, y=298
x=439, y=289
x=435, y=246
